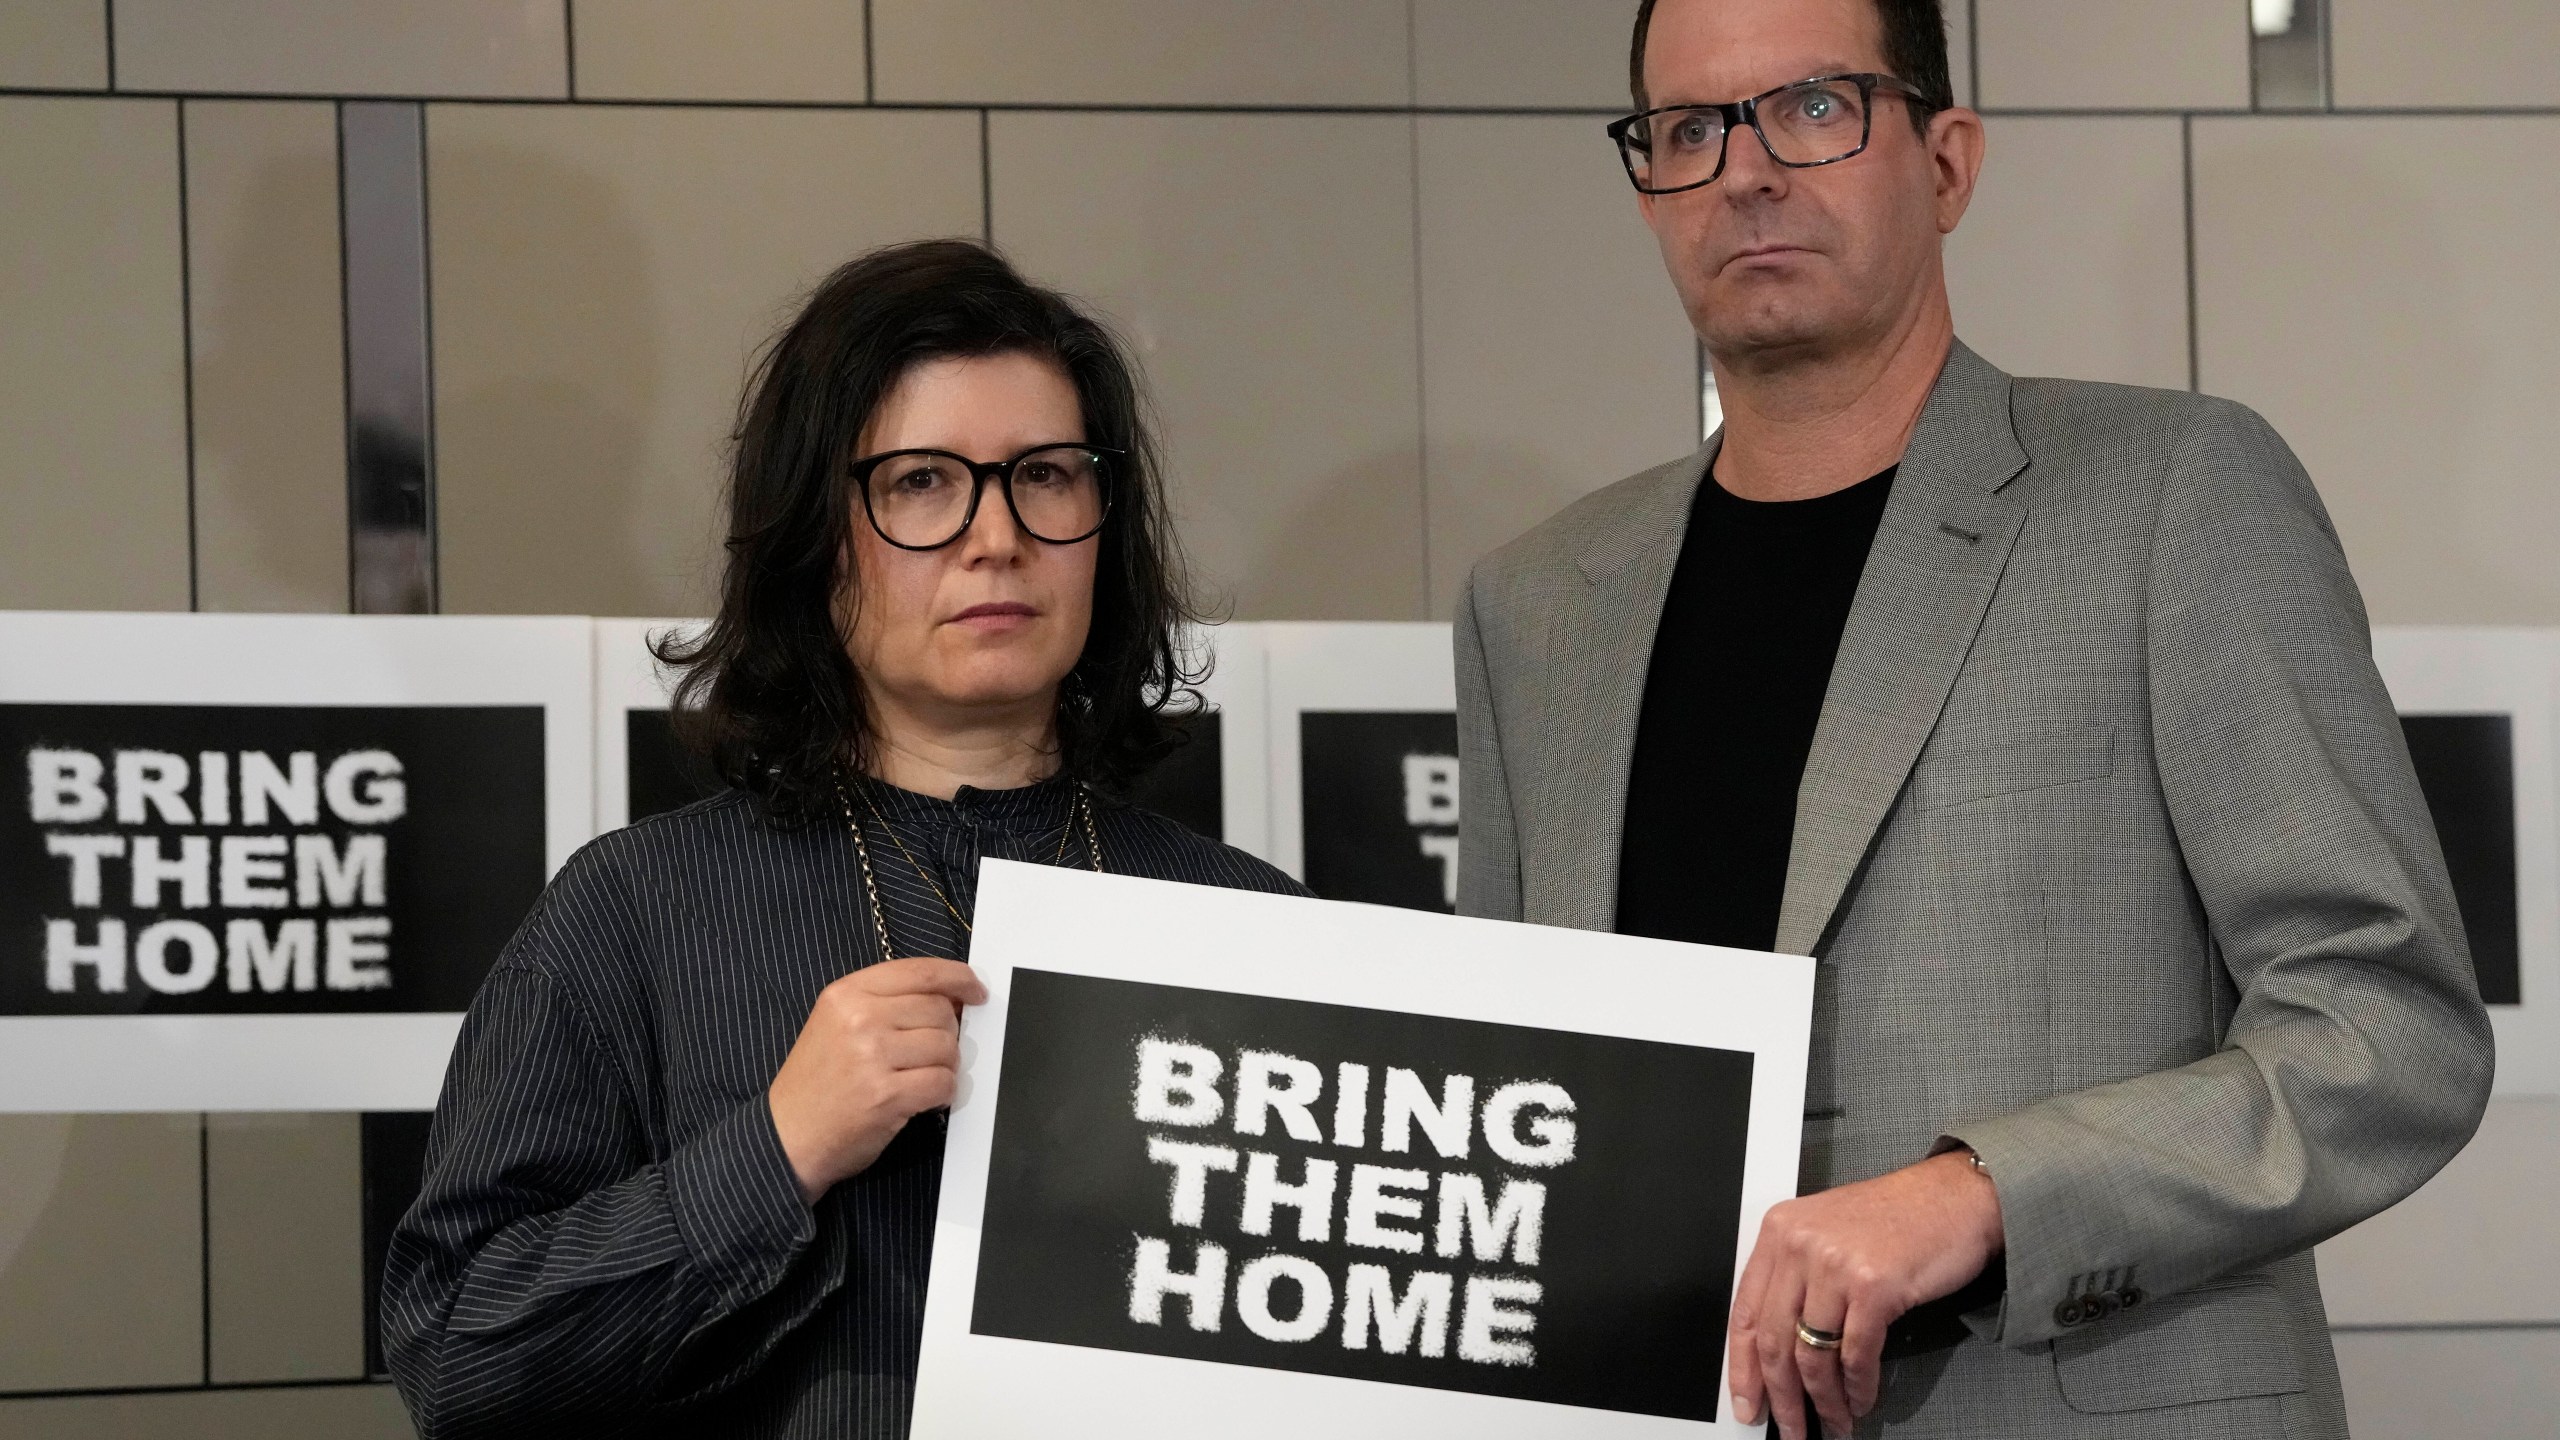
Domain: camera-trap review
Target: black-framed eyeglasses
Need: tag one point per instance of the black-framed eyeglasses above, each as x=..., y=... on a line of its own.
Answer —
x=925, y=499
x=1821, y=121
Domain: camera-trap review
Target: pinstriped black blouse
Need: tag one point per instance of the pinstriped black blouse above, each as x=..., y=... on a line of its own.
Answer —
x=609, y=1239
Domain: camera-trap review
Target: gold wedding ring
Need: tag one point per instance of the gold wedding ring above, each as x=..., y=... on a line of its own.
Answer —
x=1817, y=1339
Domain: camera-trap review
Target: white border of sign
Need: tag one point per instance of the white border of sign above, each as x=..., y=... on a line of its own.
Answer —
x=283, y=1062
x=2439, y=670
x=1371, y=666
x=1237, y=688
x=1331, y=952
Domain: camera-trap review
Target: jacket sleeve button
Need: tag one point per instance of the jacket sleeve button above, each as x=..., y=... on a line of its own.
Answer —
x=2067, y=1313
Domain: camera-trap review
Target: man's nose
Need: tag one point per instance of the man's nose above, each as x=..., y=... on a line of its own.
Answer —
x=1749, y=168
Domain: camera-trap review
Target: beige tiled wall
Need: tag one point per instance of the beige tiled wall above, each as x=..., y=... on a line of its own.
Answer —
x=1514, y=54
x=1141, y=52
x=328, y=47
x=805, y=50
x=2449, y=1384
x=2488, y=53
x=101, y=1252
x=1263, y=266
x=270, y=417
x=2382, y=289
x=54, y=44
x=284, y=1247
x=2073, y=258
x=1555, y=358
x=2117, y=55
x=1381, y=343
x=93, y=405
x=603, y=278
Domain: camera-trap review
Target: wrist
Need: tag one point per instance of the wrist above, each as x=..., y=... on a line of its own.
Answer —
x=796, y=1151
x=1976, y=1183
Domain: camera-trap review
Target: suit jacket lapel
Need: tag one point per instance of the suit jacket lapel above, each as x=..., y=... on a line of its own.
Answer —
x=1603, y=655
x=1939, y=551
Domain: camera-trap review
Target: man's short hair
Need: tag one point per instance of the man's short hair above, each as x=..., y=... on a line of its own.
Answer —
x=1915, y=48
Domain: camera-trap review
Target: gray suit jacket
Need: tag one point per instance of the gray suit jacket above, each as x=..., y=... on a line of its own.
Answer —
x=2114, y=864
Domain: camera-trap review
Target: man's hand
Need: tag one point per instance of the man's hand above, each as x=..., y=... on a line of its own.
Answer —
x=1851, y=1261
x=881, y=1046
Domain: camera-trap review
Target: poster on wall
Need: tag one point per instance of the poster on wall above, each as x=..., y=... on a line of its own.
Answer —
x=262, y=862
x=641, y=769
x=1347, y=1170
x=1214, y=781
x=2481, y=710
x=1364, y=744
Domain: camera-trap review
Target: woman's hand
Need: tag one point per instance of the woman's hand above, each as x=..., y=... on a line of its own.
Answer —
x=881, y=1046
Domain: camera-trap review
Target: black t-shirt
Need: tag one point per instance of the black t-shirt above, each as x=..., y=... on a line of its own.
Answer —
x=1740, y=664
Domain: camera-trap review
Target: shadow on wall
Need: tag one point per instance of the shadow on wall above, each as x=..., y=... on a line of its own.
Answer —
x=546, y=348
x=2378, y=387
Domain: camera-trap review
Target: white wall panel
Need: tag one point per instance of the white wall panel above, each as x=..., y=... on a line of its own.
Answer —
x=1518, y=53
x=1141, y=52
x=2381, y=289
x=2073, y=259
x=1555, y=356
x=326, y=47
x=2121, y=55
x=2488, y=53
x=1263, y=268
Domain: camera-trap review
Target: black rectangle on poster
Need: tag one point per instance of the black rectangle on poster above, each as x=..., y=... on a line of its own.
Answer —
x=661, y=774
x=2466, y=765
x=1378, y=797
x=1337, y=1190
x=247, y=859
x=1189, y=783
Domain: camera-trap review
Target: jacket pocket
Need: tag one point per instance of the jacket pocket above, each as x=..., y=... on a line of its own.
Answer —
x=2057, y=757
x=2222, y=1341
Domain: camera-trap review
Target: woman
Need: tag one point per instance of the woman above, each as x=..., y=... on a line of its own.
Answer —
x=682, y=1178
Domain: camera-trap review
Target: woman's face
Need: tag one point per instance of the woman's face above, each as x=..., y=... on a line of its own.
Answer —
x=982, y=630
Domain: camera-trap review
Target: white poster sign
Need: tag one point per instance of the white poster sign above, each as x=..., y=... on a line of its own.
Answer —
x=1347, y=1170
x=257, y=862
x=2481, y=709
x=1236, y=693
x=1364, y=761
x=634, y=745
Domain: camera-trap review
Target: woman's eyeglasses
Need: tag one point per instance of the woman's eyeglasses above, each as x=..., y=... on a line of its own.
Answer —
x=925, y=499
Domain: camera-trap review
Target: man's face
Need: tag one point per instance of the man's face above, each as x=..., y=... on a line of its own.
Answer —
x=1770, y=260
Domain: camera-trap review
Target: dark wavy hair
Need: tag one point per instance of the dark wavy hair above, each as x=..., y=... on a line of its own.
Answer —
x=769, y=698
x=1915, y=48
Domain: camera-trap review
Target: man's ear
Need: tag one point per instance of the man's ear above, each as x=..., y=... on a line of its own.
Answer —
x=1956, y=142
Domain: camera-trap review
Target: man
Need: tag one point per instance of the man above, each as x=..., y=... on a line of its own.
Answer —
x=2041, y=714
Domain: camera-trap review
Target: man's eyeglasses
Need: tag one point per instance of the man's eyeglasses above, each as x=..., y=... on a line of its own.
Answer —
x=1820, y=121
x=925, y=499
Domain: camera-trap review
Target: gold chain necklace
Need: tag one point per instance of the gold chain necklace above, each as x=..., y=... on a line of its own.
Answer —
x=1082, y=810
